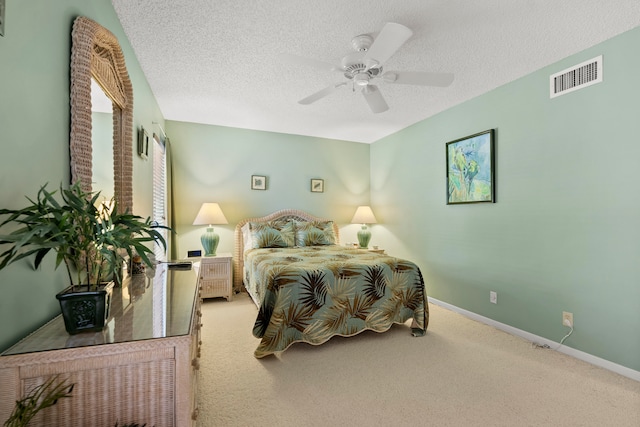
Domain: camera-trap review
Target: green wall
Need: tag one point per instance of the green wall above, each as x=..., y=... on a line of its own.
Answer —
x=563, y=235
x=34, y=136
x=215, y=164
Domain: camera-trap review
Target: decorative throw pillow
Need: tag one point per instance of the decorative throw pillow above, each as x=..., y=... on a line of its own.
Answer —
x=314, y=233
x=272, y=234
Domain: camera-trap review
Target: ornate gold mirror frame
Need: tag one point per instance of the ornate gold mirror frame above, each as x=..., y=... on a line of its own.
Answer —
x=96, y=53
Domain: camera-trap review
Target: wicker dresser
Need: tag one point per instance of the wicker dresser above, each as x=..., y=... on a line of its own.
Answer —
x=142, y=368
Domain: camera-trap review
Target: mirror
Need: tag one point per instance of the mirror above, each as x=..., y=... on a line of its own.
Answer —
x=96, y=53
x=101, y=142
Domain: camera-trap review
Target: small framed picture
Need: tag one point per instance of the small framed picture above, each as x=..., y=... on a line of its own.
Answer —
x=258, y=182
x=143, y=143
x=317, y=185
x=2, y=18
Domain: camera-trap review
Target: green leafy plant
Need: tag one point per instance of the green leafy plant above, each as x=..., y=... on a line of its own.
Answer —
x=41, y=397
x=90, y=237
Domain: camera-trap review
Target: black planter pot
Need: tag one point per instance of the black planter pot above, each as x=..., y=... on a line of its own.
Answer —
x=84, y=310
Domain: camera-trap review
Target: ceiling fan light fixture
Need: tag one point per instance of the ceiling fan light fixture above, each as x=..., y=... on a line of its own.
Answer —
x=361, y=79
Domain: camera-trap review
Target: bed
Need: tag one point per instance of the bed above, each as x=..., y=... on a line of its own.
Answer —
x=309, y=288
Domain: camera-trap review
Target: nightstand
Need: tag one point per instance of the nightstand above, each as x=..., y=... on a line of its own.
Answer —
x=378, y=251
x=214, y=276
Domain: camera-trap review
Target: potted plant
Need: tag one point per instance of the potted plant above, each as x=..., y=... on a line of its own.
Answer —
x=90, y=237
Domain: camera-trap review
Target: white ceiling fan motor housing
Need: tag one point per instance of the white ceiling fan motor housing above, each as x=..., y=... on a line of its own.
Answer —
x=362, y=43
x=354, y=67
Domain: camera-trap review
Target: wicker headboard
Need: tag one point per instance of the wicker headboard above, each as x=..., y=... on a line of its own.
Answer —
x=238, y=254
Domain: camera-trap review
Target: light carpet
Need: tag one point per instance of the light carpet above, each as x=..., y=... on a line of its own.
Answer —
x=462, y=373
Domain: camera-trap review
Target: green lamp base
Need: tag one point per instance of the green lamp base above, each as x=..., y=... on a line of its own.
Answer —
x=209, y=242
x=364, y=236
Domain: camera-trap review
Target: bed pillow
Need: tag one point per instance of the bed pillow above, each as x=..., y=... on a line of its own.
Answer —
x=314, y=233
x=272, y=234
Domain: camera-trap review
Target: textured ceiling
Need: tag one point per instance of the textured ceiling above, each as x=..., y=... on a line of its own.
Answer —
x=219, y=62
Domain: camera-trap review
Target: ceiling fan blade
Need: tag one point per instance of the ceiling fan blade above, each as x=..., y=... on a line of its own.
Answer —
x=309, y=62
x=320, y=94
x=418, y=78
x=374, y=98
x=391, y=37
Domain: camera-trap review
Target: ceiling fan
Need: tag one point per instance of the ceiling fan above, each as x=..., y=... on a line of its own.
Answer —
x=364, y=67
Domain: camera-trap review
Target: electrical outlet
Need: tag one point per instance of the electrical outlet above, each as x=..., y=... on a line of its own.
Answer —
x=567, y=319
x=493, y=297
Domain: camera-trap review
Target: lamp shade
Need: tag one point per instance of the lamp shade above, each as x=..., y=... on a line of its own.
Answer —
x=209, y=214
x=364, y=215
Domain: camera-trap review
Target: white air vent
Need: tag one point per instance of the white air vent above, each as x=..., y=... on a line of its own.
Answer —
x=582, y=75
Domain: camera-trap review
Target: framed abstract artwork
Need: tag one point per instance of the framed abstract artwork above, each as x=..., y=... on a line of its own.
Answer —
x=258, y=182
x=317, y=185
x=471, y=169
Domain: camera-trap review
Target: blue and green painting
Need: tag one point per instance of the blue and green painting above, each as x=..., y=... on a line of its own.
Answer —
x=469, y=169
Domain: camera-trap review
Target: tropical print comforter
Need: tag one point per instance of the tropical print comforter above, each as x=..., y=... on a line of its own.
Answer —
x=309, y=294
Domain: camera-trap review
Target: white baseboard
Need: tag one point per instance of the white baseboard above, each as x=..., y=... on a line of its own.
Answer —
x=589, y=358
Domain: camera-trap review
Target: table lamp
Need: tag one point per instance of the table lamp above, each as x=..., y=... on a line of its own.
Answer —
x=364, y=215
x=209, y=214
